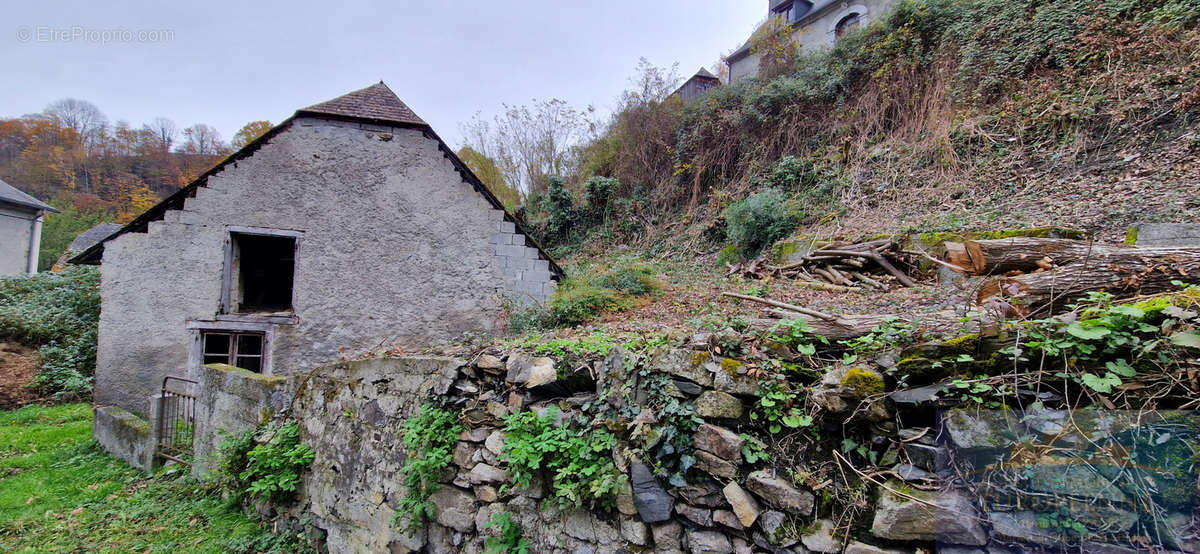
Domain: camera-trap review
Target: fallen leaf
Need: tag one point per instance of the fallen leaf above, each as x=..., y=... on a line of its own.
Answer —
x=30, y=501
x=77, y=511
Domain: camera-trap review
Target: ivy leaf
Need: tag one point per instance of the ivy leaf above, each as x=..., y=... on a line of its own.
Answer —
x=1078, y=330
x=1190, y=339
x=849, y=358
x=806, y=349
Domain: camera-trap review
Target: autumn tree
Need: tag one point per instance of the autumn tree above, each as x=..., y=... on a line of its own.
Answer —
x=772, y=42
x=248, y=133
x=88, y=122
x=485, y=168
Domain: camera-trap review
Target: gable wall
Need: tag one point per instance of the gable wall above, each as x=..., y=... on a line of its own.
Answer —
x=16, y=225
x=396, y=249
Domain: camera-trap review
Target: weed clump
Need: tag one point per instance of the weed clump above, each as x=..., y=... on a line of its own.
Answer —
x=430, y=437
x=579, y=461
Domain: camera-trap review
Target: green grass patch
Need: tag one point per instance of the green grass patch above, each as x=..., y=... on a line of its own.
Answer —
x=60, y=493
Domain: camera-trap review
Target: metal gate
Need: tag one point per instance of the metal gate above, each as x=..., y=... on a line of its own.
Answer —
x=176, y=420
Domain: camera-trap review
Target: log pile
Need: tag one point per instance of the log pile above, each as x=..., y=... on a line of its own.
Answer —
x=839, y=267
x=1037, y=276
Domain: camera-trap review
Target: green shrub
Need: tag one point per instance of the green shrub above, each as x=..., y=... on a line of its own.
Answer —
x=58, y=313
x=758, y=221
x=632, y=278
x=266, y=462
x=578, y=460
x=577, y=304
x=430, y=437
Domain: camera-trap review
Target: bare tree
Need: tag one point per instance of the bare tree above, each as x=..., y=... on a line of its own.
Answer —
x=81, y=116
x=165, y=132
x=88, y=122
x=531, y=143
x=202, y=139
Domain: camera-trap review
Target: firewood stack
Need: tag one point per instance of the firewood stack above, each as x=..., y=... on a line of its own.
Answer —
x=839, y=267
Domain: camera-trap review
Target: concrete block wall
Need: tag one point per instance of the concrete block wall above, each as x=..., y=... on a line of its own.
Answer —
x=526, y=277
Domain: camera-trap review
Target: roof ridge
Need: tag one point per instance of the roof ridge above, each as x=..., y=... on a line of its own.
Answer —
x=376, y=102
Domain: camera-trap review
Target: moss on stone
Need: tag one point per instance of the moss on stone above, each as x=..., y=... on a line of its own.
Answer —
x=935, y=238
x=1131, y=236
x=863, y=382
x=962, y=344
x=731, y=366
x=700, y=357
x=780, y=251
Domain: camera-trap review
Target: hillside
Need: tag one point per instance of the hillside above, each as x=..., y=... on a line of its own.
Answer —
x=1082, y=114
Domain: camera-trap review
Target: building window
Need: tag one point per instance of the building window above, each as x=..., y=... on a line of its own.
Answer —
x=847, y=23
x=238, y=349
x=260, y=275
x=786, y=12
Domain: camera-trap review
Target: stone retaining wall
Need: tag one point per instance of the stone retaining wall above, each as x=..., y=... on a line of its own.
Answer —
x=916, y=499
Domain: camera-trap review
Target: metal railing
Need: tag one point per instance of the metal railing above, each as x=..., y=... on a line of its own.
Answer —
x=176, y=420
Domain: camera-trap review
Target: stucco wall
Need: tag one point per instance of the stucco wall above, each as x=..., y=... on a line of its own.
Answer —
x=817, y=33
x=395, y=249
x=15, y=226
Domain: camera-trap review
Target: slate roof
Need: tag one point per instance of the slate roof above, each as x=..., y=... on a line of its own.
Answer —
x=704, y=73
x=10, y=195
x=91, y=236
x=376, y=102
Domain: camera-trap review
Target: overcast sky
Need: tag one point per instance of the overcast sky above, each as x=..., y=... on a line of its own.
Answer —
x=227, y=63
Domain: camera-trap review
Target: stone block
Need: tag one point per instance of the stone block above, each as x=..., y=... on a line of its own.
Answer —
x=745, y=507
x=124, y=435
x=652, y=501
x=780, y=494
x=716, y=404
x=708, y=542
x=720, y=441
x=1167, y=234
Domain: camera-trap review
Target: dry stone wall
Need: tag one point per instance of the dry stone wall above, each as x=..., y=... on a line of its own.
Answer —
x=944, y=482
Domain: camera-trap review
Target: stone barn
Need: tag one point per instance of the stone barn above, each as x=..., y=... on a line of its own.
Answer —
x=349, y=226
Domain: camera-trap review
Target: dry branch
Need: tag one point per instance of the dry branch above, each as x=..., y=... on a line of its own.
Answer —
x=784, y=305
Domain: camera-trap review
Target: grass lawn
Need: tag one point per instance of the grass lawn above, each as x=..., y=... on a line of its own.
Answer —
x=60, y=493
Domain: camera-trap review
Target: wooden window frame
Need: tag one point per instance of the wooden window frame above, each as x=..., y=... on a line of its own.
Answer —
x=264, y=329
x=229, y=275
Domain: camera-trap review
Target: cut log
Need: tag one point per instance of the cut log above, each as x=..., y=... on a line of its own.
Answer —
x=1000, y=256
x=958, y=258
x=1123, y=272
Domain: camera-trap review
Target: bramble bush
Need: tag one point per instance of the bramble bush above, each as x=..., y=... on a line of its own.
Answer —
x=58, y=313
